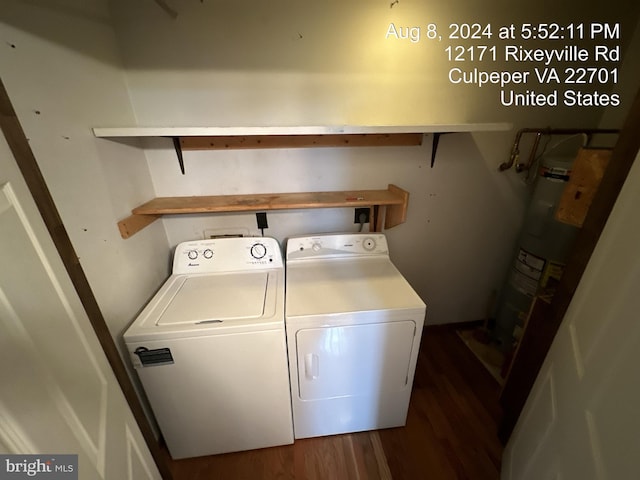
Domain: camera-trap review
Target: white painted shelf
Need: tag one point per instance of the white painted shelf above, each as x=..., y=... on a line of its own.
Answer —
x=111, y=132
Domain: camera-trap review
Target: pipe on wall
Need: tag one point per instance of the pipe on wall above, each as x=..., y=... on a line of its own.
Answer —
x=515, y=149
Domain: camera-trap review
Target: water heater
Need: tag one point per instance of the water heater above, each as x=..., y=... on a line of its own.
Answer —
x=541, y=251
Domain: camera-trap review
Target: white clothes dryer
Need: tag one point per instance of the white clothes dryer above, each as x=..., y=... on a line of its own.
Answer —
x=354, y=326
x=210, y=349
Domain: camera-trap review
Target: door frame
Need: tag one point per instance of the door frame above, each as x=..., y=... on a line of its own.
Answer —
x=25, y=159
x=533, y=348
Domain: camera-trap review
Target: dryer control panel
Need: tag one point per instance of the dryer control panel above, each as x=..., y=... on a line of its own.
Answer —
x=227, y=255
x=337, y=246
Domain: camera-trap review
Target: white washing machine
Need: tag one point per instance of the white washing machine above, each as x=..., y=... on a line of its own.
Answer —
x=354, y=326
x=210, y=349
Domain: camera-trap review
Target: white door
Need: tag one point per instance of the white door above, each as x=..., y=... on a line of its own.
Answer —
x=58, y=394
x=582, y=418
x=354, y=360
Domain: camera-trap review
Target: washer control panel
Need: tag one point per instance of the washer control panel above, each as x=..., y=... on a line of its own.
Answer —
x=341, y=245
x=227, y=254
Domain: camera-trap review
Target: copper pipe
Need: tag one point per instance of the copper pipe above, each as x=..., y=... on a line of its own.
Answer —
x=515, y=151
x=520, y=167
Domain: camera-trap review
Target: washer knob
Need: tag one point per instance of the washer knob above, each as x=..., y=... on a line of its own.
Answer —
x=258, y=251
x=208, y=253
x=192, y=254
x=316, y=247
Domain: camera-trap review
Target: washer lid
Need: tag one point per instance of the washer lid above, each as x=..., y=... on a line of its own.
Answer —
x=209, y=298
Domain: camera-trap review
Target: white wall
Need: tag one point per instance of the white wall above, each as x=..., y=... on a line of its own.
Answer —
x=60, y=66
x=251, y=63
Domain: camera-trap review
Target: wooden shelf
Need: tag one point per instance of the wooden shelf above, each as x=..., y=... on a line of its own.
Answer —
x=388, y=207
x=234, y=142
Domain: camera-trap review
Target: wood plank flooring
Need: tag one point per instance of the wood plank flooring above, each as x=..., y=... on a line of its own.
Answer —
x=451, y=432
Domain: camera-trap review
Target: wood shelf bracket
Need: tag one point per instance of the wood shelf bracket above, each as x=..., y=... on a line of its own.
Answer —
x=134, y=223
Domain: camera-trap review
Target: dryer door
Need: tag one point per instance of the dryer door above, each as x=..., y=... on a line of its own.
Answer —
x=354, y=360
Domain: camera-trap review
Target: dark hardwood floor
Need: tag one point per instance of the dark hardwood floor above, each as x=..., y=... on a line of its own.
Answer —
x=451, y=432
